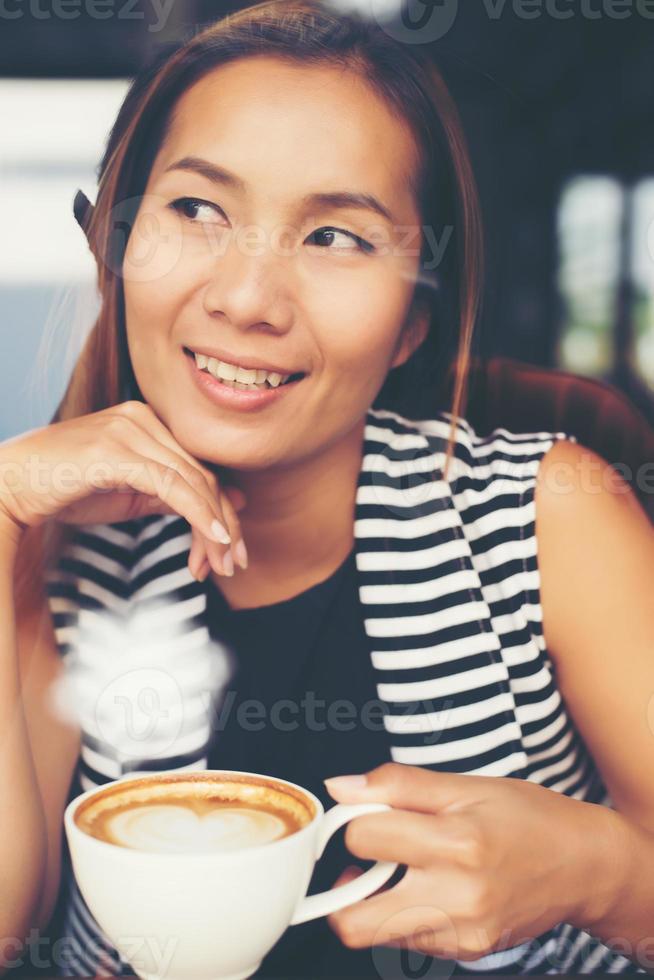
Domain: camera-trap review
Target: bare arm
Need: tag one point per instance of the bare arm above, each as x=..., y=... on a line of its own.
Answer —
x=596, y=549
x=55, y=744
x=145, y=472
x=24, y=837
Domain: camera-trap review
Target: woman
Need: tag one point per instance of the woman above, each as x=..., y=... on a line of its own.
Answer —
x=268, y=201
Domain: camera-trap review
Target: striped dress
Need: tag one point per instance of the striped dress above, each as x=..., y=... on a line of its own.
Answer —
x=449, y=587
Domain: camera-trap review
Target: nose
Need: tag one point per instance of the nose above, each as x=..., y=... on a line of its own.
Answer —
x=250, y=287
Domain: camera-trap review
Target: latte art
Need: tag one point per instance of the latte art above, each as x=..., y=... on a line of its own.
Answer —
x=177, y=829
x=202, y=813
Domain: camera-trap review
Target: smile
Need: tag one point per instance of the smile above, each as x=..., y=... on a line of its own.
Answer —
x=241, y=378
x=243, y=388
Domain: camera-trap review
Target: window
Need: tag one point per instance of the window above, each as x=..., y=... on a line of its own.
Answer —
x=605, y=232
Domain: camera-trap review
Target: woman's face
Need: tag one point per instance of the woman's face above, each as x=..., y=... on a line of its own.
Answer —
x=242, y=255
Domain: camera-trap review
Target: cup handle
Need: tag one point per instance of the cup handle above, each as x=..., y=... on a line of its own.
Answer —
x=313, y=906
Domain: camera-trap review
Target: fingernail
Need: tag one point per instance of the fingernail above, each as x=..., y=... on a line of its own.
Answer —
x=240, y=554
x=228, y=563
x=203, y=571
x=345, y=783
x=220, y=533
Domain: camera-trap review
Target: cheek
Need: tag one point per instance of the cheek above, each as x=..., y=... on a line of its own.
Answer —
x=156, y=290
x=147, y=319
x=362, y=327
x=154, y=246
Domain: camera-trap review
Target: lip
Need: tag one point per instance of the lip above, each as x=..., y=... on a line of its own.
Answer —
x=225, y=397
x=245, y=362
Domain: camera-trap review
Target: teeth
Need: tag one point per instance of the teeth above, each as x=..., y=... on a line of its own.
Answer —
x=242, y=378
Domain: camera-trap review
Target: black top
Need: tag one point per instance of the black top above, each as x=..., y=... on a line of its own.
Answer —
x=293, y=709
x=302, y=705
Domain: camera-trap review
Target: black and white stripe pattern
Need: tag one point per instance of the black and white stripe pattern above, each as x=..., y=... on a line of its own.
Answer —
x=449, y=586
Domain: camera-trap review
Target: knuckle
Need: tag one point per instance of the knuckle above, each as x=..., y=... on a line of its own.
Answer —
x=348, y=934
x=192, y=476
x=465, y=954
x=471, y=851
x=168, y=477
x=355, y=837
x=479, y=902
x=391, y=774
x=211, y=480
x=117, y=425
x=424, y=939
x=133, y=409
x=476, y=944
x=433, y=848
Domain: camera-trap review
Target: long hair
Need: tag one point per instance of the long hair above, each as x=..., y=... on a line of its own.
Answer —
x=306, y=32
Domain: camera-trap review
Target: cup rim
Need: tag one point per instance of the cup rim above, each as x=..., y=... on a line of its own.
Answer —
x=132, y=853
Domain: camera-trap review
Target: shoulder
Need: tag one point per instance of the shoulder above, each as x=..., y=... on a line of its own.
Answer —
x=595, y=543
x=476, y=460
x=576, y=484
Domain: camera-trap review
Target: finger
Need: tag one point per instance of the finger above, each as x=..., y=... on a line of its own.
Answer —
x=420, y=840
x=163, y=447
x=144, y=416
x=239, y=551
x=158, y=480
x=412, y=788
x=351, y=872
x=197, y=561
x=407, y=915
x=356, y=924
x=236, y=496
x=220, y=559
x=196, y=554
x=140, y=440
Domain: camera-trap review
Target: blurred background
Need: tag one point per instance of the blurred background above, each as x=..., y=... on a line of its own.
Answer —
x=557, y=102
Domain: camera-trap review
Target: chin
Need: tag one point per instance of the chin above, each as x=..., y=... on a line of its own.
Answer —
x=232, y=452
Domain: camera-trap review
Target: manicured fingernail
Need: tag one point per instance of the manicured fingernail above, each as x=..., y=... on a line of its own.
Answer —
x=220, y=533
x=240, y=554
x=228, y=563
x=345, y=783
x=203, y=571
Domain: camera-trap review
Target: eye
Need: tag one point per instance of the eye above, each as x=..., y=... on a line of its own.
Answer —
x=193, y=208
x=326, y=236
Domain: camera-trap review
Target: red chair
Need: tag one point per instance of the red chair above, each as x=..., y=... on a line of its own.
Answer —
x=523, y=398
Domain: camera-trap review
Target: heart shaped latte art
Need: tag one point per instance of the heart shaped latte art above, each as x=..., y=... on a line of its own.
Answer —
x=178, y=829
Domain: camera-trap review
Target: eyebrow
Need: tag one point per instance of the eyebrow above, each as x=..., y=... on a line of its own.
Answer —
x=334, y=199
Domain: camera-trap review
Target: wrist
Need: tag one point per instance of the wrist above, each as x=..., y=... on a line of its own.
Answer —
x=604, y=870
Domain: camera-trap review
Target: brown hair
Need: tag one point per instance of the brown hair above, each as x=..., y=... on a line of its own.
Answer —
x=303, y=31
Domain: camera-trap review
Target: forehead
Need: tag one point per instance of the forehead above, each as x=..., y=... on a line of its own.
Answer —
x=289, y=128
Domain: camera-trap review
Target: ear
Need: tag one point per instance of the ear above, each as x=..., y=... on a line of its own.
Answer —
x=412, y=334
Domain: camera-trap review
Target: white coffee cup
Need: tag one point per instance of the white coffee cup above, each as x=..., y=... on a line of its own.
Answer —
x=210, y=915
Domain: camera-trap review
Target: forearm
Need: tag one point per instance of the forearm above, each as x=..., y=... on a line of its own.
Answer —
x=618, y=907
x=22, y=822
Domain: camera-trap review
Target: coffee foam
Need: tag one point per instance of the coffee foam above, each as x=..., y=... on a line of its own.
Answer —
x=194, y=814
